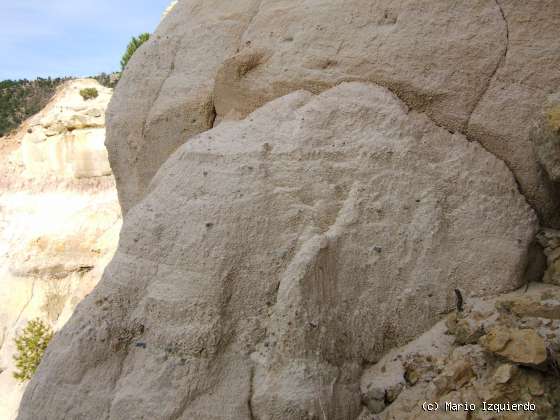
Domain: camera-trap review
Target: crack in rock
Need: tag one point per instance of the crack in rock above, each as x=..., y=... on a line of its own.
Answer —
x=251, y=392
x=498, y=66
x=163, y=82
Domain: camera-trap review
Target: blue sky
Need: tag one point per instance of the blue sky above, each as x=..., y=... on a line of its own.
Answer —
x=70, y=37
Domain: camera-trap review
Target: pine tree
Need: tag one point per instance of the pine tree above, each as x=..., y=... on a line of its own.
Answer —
x=31, y=345
x=133, y=45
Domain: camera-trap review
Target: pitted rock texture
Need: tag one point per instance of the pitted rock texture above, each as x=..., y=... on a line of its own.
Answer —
x=273, y=257
x=483, y=68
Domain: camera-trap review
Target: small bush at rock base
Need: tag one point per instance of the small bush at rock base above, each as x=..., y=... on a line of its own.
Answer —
x=89, y=93
x=31, y=345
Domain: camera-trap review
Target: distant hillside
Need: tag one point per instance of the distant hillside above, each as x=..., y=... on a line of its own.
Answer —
x=20, y=99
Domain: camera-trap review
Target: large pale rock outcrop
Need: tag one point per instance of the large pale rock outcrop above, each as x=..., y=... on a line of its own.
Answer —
x=274, y=257
x=59, y=221
x=483, y=68
x=67, y=137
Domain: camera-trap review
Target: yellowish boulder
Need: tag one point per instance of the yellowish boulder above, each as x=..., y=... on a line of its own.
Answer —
x=523, y=346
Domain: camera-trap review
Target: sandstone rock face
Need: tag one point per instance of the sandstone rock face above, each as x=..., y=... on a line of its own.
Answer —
x=173, y=94
x=59, y=221
x=483, y=68
x=67, y=138
x=515, y=95
x=274, y=257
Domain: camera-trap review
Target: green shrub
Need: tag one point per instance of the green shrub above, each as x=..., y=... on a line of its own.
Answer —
x=31, y=345
x=89, y=93
x=133, y=45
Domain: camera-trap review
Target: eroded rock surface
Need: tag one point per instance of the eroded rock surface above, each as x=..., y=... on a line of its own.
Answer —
x=483, y=68
x=528, y=72
x=274, y=257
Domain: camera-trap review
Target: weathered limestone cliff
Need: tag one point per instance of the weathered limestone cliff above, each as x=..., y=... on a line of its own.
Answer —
x=59, y=219
x=309, y=186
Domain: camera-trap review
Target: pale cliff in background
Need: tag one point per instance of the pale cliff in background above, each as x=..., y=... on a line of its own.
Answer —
x=67, y=138
x=59, y=219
